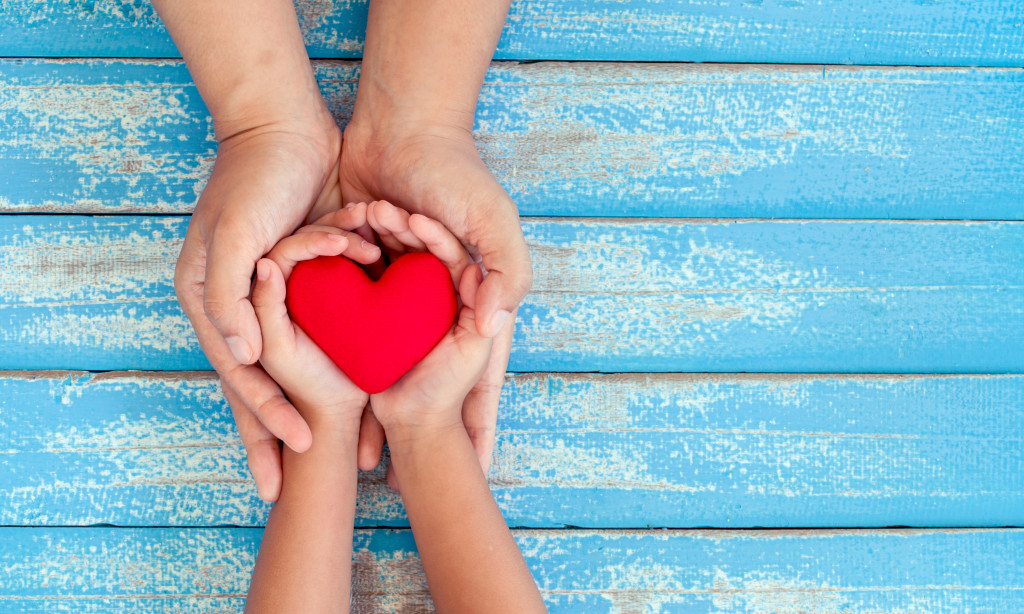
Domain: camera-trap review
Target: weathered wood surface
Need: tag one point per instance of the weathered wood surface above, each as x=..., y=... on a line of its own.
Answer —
x=764, y=572
x=571, y=139
x=981, y=32
x=95, y=293
x=142, y=449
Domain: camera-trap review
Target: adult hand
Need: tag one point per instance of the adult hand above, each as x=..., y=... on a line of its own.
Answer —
x=266, y=182
x=438, y=172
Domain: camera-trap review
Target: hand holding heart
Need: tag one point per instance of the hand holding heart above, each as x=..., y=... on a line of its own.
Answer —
x=313, y=383
x=303, y=352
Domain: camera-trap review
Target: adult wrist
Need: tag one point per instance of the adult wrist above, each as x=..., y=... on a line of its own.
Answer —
x=387, y=118
x=308, y=117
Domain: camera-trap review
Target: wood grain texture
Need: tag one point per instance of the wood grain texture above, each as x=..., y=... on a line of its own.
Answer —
x=609, y=295
x=982, y=32
x=140, y=449
x=827, y=572
x=571, y=139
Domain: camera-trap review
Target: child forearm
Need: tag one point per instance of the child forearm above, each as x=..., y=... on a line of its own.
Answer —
x=471, y=561
x=304, y=562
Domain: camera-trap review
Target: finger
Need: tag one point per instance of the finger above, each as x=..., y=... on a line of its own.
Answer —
x=252, y=387
x=440, y=242
x=395, y=221
x=232, y=253
x=389, y=242
x=268, y=300
x=506, y=259
x=469, y=285
x=480, y=409
x=392, y=478
x=265, y=400
x=350, y=217
x=312, y=241
x=262, y=449
x=371, y=441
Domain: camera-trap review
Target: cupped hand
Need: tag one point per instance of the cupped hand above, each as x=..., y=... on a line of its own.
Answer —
x=431, y=394
x=314, y=384
x=265, y=182
x=435, y=170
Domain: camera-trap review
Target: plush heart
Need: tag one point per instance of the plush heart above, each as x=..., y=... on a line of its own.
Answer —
x=375, y=332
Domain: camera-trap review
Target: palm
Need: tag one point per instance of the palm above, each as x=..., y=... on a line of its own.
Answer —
x=262, y=187
x=442, y=176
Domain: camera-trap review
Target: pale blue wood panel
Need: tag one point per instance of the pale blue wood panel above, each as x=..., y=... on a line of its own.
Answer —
x=609, y=295
x=572, y=139
x=982, y=32
x=137, y=449
x=203, y=570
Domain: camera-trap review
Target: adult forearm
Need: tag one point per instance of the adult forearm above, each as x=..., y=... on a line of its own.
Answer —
x=247, y=59
x=471, y=561
x=304, y=562
x=424, y=62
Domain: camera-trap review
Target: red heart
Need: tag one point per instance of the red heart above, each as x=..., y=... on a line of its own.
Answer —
x=375, y=332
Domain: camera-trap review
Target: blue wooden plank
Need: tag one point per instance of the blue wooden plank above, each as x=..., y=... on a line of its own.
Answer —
x=609, y=295
x=202, y=570
x=572, y=139
x=136, y=449
x=982, y=32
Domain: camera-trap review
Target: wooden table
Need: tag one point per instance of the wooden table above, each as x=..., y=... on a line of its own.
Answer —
x=773, y=360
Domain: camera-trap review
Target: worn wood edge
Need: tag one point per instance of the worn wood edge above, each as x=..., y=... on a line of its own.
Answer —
x=129, y=182
x=711, y=32
x=100, y=289
x=596, y=571
x=142, y=436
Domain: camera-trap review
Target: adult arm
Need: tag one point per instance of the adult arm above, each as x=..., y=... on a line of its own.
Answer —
x=410, y=142
x=276, y=167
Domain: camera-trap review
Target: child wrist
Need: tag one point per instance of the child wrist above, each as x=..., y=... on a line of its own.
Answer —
x=404, y=438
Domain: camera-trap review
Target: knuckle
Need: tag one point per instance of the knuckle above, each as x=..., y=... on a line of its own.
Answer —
x=271, y=406
x=215, y=309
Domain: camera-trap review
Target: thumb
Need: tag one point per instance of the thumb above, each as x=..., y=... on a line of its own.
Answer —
x=231, y=258
x=508, y=277
x=268, y=295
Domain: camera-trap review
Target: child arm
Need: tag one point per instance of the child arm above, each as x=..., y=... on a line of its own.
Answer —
x=304, y=562
x=471, y=560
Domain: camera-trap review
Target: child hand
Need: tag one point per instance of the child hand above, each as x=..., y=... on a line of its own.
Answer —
x=431, y=395
x=313, y=383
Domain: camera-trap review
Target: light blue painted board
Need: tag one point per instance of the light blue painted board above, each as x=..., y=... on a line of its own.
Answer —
x=148, y=570
x=609, y=295
x=572, y=139
x=982, y=32
x=138, y=449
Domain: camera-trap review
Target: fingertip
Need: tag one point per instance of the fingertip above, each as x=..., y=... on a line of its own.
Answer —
x=265, y=468
x=469, y=285
x=497, y=320
x=393, y=479
x=300, y=439
x=262, y=269
x=491, y=313
x=371, y=441
x=338, y=242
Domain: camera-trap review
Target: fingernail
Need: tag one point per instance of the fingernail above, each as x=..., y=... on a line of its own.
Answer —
x=262, y=274
x=369, y=246
x=240, y=349
x=498, y=320
x=350, y=206
x=337, y=238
